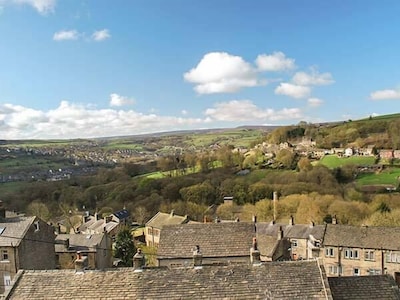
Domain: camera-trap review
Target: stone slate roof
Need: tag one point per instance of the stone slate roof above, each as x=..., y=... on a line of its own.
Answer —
x=364, y=287
x=78, y=242
x=162, y=219
x=267, y=244
x=362, y=237
x=296, y=231
x=14, y=229
x=285, y=280
x=214, y=239
x=98, y=226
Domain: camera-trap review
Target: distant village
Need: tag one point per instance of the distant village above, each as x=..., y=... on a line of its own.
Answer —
x=214, y=259
x=85, y=159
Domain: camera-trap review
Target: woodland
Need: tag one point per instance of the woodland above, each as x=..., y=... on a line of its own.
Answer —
x=194, y=182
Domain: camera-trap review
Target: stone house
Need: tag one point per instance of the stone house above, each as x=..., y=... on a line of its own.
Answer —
x=94, y=225
x=96, y=247
x=361, y=250
x=154, y=226
x=25, y=243
x=217, y=242
x=303, y=240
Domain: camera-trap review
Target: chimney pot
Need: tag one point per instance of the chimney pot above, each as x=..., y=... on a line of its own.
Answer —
x=81, y=262
x=138, y=261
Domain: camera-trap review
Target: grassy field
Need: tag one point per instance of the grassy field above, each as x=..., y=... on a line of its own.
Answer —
x=389, y=176
x=332, y=161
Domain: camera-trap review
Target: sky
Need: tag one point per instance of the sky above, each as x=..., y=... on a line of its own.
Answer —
x=101, y=68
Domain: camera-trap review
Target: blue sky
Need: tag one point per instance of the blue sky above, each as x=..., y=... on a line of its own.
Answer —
x=82, y=69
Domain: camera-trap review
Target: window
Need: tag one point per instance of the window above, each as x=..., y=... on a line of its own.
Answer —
x=329, y=252
x=4, y=255
x=36, y=225
x=374, y=272
x=294, y=243
x=356, y=272
x=7, y=279
x=150, y=231
x=335, y=270
x=392, y=257
x=369, y=255
x=351, y=254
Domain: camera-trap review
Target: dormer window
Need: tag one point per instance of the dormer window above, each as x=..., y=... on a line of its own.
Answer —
x=36, y=225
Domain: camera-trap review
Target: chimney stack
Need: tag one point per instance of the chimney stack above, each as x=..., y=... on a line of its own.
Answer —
x=274, y=202
x=172, y=213
x=254, y=219
x=138, y=261
x=312, y=224
x=81, y=262
x=197, y=258
x=280, y=233
x=291, y=221
x=255, y=256
x=334, y=220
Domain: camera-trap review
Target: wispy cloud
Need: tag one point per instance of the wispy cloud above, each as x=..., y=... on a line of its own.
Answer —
x=315, y=102
x=388, y=94
x=276, y=61
x=247, y=111
x=42, y=6
x=101, y=35
x=65, y=35
x=293, y=90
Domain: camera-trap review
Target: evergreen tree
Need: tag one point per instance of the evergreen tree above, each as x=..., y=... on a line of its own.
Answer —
x=124, y=247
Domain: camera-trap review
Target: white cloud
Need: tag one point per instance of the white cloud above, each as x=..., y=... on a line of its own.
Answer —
x=65, y=35
x=312, y=78
x=315, y=102
x=70, y=120
x=118, y=100
x=277, y=61
x=101, y=35
x=77, y=121
x=385, y=95
x=42, y=6
x=220, y=72
x=247, y=111
x=292, y=90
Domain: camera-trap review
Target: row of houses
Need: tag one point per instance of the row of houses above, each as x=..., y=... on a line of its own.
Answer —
x=345, y=250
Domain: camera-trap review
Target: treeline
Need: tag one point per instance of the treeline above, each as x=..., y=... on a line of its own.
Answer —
x=384, y=133
x=193, y=194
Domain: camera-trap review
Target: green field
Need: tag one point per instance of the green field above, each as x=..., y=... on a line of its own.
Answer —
x=332, y=161
x=389, y=176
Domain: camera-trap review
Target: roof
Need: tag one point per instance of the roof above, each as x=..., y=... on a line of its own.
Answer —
x=97, y=226
x=296, y=231
x=288, y=280
x=13, y=230
x=162, y=219
x=78, y=242
x=362, y=237
x=364, y=287
x=267, y=244
x=214, y=239
x=122, y=214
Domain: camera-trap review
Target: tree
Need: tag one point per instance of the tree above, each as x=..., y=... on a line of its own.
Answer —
x=124, y=247
x=39, y=209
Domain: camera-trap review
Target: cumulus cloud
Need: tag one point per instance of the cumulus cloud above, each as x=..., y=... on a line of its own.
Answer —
x=220, y=72
x=385, y=95
x=276, y=61
x=42, y=6
x=312, y=78
x=65, y=35
x=314, y=102
x=118, y=100
x=101, y=35
x=70, y=120
x=293, y=90
x=247, y=111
